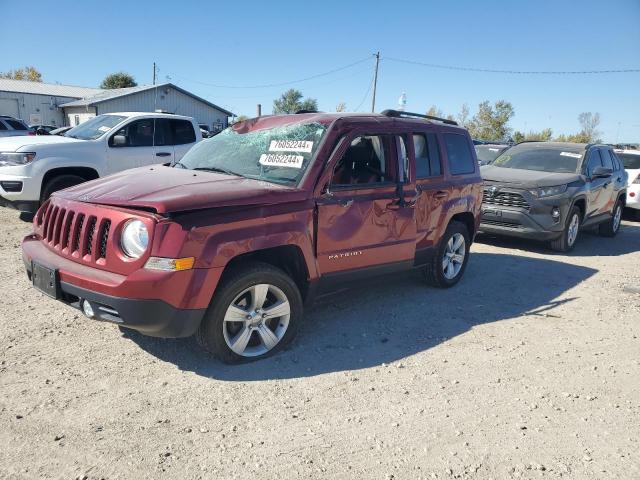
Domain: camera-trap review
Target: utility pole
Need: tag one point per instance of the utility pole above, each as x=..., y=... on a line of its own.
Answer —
x=154, y=73
x=259, y=110
x=375, y=83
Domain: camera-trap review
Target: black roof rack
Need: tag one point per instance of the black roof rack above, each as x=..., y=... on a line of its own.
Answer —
x=399, y=114
x=298, y=112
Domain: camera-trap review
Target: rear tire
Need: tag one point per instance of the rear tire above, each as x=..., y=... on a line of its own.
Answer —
x=59, y=183
x=447, y=266
x=570, y=234
x=237, y=327
x=611, y=227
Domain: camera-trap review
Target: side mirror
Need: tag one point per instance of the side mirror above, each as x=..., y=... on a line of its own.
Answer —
x=601, y=172
x=118, y=141
x=41, y=131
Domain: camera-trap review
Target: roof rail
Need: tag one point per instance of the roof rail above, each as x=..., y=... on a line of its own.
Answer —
x=298, y=112
x=399, y=114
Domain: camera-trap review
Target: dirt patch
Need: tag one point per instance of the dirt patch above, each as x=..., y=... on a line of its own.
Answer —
x=529, y=368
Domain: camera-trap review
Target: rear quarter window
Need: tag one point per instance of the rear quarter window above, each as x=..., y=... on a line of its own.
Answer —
x=182, y=132
x=459, y=154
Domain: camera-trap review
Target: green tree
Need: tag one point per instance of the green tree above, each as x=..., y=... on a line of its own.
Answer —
x=541, y=136
x=341, y=107
x=26, y=73
x=435, y=112
x=463, y=116
x=291, y=101
x=491, y=122
x=118, y=80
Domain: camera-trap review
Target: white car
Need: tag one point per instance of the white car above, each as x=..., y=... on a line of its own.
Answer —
x=631, y=161
x=33, y=167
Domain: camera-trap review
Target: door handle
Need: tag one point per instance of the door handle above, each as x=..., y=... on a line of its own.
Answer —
x=163, y=154
x=441, y=194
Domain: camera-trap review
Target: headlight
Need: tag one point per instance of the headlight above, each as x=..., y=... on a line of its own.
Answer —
x=8, y=159
x=549, y=191
x=135, y=238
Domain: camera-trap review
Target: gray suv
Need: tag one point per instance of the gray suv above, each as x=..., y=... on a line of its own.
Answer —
x=548, y=191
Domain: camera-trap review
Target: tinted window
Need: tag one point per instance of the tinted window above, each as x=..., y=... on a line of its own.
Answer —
x=615, y=160
x=403, y=158
x=138, y=133
x=364, y=162
x=17, y=125
x=427, y=155
x=629, y=160
x=2, y=126
x=182, y=131
x=162, y=134
x=488, y=153
x=606, y=159
x=541, y=157
x=459, y=154
x=594, y=162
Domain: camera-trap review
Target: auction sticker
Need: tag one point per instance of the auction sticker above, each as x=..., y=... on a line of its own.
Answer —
x=281, y=160
x=571, y=154
x=290, y=146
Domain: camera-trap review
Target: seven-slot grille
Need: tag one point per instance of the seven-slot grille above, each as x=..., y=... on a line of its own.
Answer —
x=74, y=232
x=504, y=199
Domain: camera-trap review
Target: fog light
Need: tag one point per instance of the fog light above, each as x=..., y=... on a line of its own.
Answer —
x=87, y=309
x=555, y=213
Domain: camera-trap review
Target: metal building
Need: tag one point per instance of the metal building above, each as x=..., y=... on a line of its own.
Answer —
x=148, y=98
x=38, y=103
x=49, y=104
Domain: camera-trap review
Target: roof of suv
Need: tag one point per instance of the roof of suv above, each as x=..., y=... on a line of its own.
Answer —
x=146, y=114
x=270, y=121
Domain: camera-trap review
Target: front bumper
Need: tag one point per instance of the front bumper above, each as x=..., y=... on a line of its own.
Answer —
x=160, y=304
x=151, y=317
x=27, y=199
x=533, y=221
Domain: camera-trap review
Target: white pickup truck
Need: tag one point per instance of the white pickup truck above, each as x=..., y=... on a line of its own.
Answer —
x=33, y=167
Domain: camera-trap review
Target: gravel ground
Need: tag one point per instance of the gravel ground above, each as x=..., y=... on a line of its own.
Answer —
x=529, y=368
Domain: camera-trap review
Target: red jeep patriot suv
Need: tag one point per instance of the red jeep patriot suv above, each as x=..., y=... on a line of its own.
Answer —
x=230, y=242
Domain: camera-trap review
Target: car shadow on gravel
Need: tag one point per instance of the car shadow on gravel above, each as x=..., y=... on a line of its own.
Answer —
x=589, y=243
x=394, y=318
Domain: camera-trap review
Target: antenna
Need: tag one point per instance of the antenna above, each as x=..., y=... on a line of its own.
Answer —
x=154, y=73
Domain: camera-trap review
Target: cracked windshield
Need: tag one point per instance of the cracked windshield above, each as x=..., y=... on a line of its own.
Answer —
x=278, y=155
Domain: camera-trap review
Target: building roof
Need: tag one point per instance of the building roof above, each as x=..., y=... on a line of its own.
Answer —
x=106, y=95
x=39, y=88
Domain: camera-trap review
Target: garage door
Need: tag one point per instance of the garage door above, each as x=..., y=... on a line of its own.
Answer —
x=9, y=106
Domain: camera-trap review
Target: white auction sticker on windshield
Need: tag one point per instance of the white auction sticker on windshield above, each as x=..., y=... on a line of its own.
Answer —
x=290, y=146
x=494, y=149
x=281, y=160
x=571, y=154
x=103, y=128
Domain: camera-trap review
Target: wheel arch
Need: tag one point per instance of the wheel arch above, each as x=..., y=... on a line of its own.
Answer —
x=581, y=203
x=468, y=220
x=87, y=173
x=288, y=258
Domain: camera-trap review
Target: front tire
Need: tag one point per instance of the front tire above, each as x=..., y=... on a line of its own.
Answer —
x=611, y=227
x=569, y=236
x=447, y=266
x=59, y=183
x=255, y=312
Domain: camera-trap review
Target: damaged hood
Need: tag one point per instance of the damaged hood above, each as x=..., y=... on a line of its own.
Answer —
x=166, y=189
x=526, y=178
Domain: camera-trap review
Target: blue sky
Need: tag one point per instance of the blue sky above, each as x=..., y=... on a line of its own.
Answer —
x=257, y=42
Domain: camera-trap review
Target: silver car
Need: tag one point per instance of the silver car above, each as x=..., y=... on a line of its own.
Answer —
x=11, y=127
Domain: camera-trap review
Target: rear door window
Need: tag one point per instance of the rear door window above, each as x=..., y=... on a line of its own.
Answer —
x=427, y=155
x=2, y=126
x=162, y=134
x=594, y=162
x=182, y=131
x=459, y=154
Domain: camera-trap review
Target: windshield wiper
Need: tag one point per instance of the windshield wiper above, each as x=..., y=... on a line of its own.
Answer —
x=217, y=169
x=180, y=165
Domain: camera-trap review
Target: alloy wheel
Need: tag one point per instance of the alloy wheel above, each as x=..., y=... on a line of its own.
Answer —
x=572, y=232
x=256, y=320
x=617, y=218
x=454, y=254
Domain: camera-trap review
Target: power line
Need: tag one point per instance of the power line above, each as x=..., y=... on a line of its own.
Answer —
x=269, y=85
x=513, y=72
x=365, y=96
